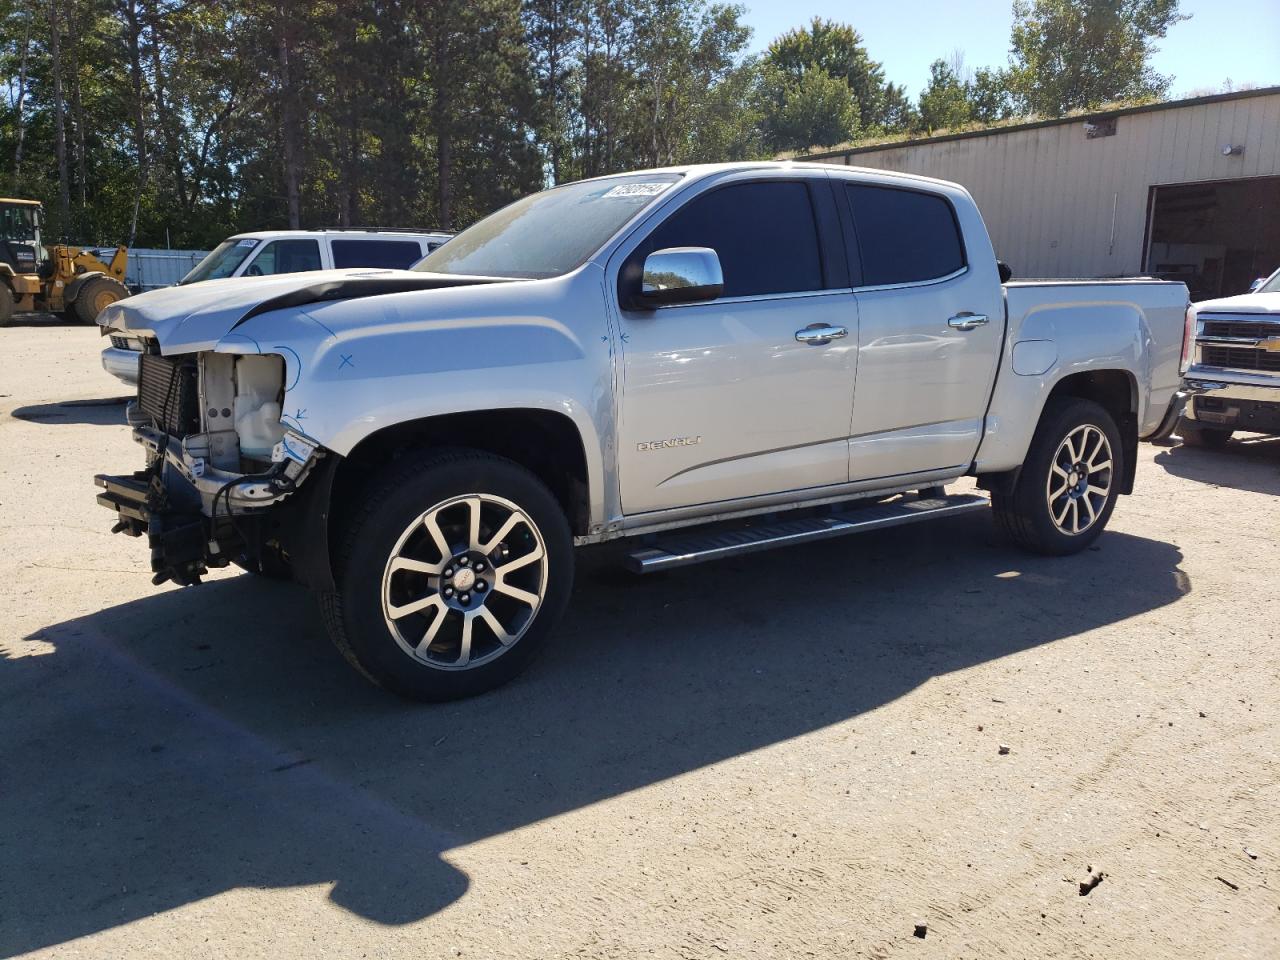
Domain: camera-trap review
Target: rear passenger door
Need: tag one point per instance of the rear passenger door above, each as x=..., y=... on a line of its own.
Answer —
x=931, y=328
x=720, y=400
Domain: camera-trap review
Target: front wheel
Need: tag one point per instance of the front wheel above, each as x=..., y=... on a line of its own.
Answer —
x=1069, y=483
x=95, y=296
x=450, y=576
x=6, y=304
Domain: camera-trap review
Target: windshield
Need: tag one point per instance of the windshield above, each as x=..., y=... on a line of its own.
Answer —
x=1272, y=285
x=228, y=255
x=550, y=233
x=18, y=222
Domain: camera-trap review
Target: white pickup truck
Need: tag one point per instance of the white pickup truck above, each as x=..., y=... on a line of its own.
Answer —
x=705, y=361
x=1234, y=379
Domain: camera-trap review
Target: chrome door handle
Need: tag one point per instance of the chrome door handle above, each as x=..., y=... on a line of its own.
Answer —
x=967, y=321
x=819, y=333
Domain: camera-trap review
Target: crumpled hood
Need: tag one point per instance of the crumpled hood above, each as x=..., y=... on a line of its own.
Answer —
x=1245, y=303
x=191, y=318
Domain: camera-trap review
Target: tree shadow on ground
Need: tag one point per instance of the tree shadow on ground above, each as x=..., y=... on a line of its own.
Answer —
x=174, y=747
x=1249, y=461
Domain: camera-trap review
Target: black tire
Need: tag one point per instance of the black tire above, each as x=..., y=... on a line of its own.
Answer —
x=1211, y=438
x=353, y=613
x=96, y=294
x=1024, y=515
x=6, y=304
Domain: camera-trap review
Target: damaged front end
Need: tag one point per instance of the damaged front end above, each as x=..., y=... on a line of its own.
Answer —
x=222, y=476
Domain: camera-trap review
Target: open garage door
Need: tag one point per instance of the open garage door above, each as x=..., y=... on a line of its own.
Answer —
x=1215, y=237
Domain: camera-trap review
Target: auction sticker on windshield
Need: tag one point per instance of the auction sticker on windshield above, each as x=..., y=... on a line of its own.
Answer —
x=647, y=189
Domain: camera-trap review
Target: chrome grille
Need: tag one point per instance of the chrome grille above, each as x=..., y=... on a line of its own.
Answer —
x=1239, y=358
x=124, y=343
x=168, y=393
x=1232, y=342
x=1252, y=329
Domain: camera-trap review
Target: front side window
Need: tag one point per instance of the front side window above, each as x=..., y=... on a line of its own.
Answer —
x=763, y=232
x=222, y=262
x=285, y=256
x=396, y=254
x=548, y=234
x=904, y=236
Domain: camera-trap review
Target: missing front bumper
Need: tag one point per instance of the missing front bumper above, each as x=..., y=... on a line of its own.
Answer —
x=196, y=517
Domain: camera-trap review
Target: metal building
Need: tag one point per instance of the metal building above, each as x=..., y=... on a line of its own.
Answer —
x=1187, y=190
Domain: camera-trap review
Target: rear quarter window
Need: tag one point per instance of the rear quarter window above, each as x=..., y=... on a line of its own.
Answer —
x=904, y=236
x=395, y=254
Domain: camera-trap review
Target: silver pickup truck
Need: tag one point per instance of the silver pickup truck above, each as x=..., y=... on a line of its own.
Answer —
x=703, y=361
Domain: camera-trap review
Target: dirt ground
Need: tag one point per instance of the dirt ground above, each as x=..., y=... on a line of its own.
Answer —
x=795, y=754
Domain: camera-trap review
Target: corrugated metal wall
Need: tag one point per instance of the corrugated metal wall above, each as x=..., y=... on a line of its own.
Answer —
x=149, y=269
x=1047, y=193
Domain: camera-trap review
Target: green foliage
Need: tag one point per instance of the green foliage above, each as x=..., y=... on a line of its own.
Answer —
x=813, y=109
x=1079, y=54
x=835, y=49
x=944, y=103
x=989, y=98
x=187, y=121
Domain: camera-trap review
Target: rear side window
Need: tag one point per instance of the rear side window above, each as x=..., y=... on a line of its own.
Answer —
x=396, y=254
x=904, y=236
x=764, y=234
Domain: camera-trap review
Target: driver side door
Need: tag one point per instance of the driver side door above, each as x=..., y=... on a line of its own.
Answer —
x=730, y=399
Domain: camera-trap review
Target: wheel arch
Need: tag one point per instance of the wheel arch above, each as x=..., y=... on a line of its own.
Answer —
x=72, y=289
x=1115, y=389
x=545, y=442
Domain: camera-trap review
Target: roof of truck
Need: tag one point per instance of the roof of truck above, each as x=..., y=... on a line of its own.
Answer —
x=708, y=169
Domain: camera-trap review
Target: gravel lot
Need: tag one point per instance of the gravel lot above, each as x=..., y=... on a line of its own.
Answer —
x=793, y=754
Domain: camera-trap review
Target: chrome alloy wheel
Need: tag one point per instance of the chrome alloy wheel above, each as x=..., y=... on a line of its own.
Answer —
x=464, y=581
x=1079, y=481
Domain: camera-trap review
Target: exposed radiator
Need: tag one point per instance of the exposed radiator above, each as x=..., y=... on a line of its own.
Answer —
x=168, y=393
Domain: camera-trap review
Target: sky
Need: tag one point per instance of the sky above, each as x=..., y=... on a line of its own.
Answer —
x=1236, y=39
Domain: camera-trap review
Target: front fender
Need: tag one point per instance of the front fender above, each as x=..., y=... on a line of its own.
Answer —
x=72, y=289
x=345, y=381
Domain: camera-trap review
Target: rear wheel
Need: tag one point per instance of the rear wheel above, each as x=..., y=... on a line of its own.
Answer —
x=1069, y=483
x=95, y=296
x=451, y=576
x=6, y=304
x=1194, y=435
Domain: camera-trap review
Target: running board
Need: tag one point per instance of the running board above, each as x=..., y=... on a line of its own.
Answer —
x=681, y=550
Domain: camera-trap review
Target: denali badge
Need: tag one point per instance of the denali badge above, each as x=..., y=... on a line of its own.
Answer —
x=666, y=444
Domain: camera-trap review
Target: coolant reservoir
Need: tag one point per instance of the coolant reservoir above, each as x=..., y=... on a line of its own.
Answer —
x=259, y=384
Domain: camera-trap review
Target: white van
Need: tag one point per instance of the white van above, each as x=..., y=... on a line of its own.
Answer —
x=267, y=252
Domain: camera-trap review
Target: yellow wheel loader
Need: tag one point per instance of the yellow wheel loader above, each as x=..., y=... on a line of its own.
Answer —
x=72, y=282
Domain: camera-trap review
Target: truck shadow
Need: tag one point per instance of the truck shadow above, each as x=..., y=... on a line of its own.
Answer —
x=106, y=412
x=175, y=747
x=1248, y=462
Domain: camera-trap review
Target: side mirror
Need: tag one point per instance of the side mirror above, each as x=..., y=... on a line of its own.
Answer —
x=679, y=275
x=1004, y=270
x=1257, y=283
